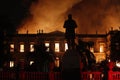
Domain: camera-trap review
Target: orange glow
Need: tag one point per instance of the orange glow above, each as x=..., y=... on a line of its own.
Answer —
x=118, y=64
x=31, y=62
x=101, y=47
x=57, y=47
x=47, y=45
x=11, y=47
x=46, y=15
x=21, y=47
x=92, y=49
x=31, y=48
x=57, y=62
x=45, y=26
x=11, y=64
x=66, y=46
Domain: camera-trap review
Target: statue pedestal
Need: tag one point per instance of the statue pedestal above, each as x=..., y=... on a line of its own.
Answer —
x=71, y=65
x=71, y=60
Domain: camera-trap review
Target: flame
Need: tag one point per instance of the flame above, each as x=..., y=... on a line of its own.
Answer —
x=47, y=15
x=90, y=15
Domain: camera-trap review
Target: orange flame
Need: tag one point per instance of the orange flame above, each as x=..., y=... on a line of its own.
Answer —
x=91, y=15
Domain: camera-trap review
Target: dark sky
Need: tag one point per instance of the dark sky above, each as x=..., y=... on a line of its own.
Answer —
x=49, y=15
x=12, y=12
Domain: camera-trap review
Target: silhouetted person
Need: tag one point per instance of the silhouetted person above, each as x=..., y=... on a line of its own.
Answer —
x=70, y=26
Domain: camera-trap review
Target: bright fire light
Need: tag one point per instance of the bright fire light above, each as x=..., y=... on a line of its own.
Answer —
x=118, y=64
x=46, y=15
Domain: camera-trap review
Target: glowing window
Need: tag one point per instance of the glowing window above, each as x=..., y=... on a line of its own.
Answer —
x=101, y=47
x=31, y=62
x=57, y=47
x=11, y=64
x=21, y=47
x=92, y=49
x=57, y=62
x=66, y=46
x=32, y=48
x=11, y=47
x=47, y=45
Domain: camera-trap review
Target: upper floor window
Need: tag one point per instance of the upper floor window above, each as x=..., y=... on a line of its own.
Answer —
x=11, y=47
x=47, y=45
x=57, y=47
x=32, y=48
x=102, y=47
x=92, y=49
x=66, y=46
x=22, y=48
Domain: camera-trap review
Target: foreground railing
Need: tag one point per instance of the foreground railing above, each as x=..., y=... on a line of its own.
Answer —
x=113, y=75
x=91, y=76
x=55, y=75
x=33, y=76
x=30, y=75
x=40, y=76
x=7, y=75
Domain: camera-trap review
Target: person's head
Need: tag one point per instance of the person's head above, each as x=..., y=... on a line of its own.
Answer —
x=69, y=16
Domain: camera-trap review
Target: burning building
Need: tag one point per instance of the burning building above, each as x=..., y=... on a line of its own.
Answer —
x=18, y=45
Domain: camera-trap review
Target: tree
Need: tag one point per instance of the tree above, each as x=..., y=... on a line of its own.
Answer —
x=115, y=46
x=87, y=57
x=41, y=58
x=90, y=44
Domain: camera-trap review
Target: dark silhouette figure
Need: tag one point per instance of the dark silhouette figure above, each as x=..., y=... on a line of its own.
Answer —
x=70, y=26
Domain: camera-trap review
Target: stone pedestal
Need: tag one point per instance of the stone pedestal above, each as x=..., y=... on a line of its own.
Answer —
x=71, y=65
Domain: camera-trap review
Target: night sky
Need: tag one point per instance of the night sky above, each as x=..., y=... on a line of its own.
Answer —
x=12, y=12
x=49, y=15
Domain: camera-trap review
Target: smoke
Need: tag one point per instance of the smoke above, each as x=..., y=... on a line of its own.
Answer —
x=90, y=15
x=97, y=15
x=47, y=15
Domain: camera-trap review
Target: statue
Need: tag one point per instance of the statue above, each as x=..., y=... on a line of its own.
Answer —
x=76, y=60
x=70, y=26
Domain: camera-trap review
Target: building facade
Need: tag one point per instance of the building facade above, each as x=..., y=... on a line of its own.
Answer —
x=20, y=44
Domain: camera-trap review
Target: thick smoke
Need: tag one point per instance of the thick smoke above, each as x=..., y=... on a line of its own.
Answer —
x=90, y=15
x=97, y=15
x=47, y=15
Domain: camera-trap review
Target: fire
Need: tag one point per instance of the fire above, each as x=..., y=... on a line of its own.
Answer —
x=90, y=15
x=45, y=26
x=47, y=15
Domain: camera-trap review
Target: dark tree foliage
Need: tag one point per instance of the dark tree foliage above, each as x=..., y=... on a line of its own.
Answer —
x=12, y=12
x=1, y=48
x=41, y=58
x=88, y=57
x=5, y=55
x=90, y=44
x=115, y=46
